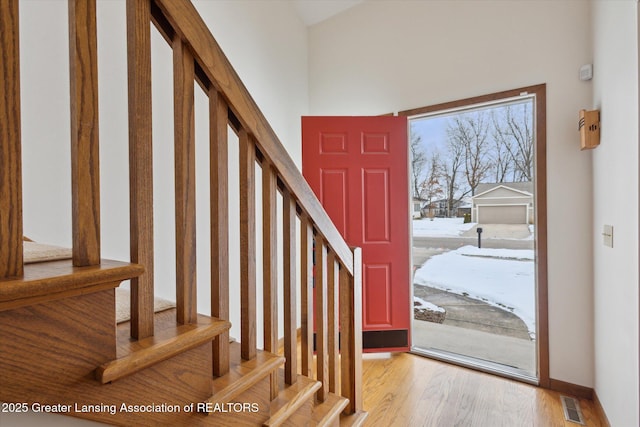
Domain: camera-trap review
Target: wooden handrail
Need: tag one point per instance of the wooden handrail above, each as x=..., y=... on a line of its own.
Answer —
x=186, y=21
x=337, y=272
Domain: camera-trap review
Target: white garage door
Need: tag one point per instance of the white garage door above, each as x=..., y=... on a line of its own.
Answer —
x=507, y=214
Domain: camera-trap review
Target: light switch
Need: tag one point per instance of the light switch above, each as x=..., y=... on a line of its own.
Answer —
x=607, y=235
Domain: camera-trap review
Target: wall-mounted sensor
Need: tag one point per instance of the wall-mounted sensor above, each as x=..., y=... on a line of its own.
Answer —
x=586, y=72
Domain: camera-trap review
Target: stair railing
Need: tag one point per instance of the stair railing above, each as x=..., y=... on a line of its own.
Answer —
x=337, y=313
x=336, y=279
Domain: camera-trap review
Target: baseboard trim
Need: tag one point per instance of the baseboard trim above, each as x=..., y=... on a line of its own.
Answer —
x=571, y=389
x=602, y=415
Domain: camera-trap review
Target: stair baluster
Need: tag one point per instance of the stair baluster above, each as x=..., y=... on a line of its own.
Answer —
x=185, y=185
x=219, y=200
x=290, y=285
x=333, y=270
x=85, y=152
x=140, y=165
x=10, y=145
x=351, y=334
x=270, y=265
x=306, y=296
x=247, y=245
x=322, y=325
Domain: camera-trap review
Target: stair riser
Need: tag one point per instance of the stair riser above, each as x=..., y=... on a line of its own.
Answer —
x=46, y=348
x=181, y=381
x=256, y=396
x=302, y=416
x=38, y=364
x=333, y=423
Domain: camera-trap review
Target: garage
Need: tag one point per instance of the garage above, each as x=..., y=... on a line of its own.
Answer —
x=503, y=214
x=503, y=203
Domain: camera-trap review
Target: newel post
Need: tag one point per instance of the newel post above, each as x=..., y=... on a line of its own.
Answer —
x=351, y=333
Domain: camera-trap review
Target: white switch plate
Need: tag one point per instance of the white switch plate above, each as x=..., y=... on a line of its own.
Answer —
x=607, y=235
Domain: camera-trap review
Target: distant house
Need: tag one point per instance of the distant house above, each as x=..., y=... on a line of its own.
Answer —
x=465, y=207
x=503, y=203
x=440, y=208
x=416, y=207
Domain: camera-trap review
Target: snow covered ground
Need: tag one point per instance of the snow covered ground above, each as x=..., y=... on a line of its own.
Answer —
x=440, y=227
x=420, y=303
x=455, y=227
x=501, y=277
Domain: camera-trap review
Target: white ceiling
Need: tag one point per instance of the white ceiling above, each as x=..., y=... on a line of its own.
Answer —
x=314, y=11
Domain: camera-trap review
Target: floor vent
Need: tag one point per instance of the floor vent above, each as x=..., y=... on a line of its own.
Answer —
x=572, y=410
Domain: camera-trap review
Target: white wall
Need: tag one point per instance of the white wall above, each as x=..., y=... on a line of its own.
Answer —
x=383, y=56
x=270, y=56
x=266, y=42
x=615, y=202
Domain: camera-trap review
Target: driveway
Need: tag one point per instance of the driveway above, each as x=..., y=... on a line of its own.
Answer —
x=500, y=231
x=495, y=236
x=470, y=313
x=467, y=312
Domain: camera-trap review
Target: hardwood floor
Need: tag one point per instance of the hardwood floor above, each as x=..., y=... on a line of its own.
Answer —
x=410, y=390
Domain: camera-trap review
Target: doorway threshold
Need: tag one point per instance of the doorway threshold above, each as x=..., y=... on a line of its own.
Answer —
x=510, y=372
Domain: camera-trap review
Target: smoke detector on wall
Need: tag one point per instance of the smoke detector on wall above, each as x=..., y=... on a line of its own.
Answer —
x=586, y=72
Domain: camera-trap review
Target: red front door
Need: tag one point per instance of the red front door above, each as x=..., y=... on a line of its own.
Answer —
x=358, y=169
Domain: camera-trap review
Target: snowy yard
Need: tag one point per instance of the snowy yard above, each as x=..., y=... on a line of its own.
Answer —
x=501, y=277
x=455, y=227
x=440, y=227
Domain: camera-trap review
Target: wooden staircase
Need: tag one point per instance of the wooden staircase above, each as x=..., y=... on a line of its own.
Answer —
x=61, y=348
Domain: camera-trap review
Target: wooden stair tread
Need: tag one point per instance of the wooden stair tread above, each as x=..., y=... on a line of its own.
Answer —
x=353, y=420
x=243, y=374
x=170, y=339
x=45, y=281
x=164, y=327
x=326, y=412
x=290, y=399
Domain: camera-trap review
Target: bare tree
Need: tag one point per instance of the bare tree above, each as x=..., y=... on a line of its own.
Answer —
x=471, y=132
x=501, y=159
x=514, y=130
x=432, y=188
x=452, y=168
x=418, y=162
x=493, y=144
